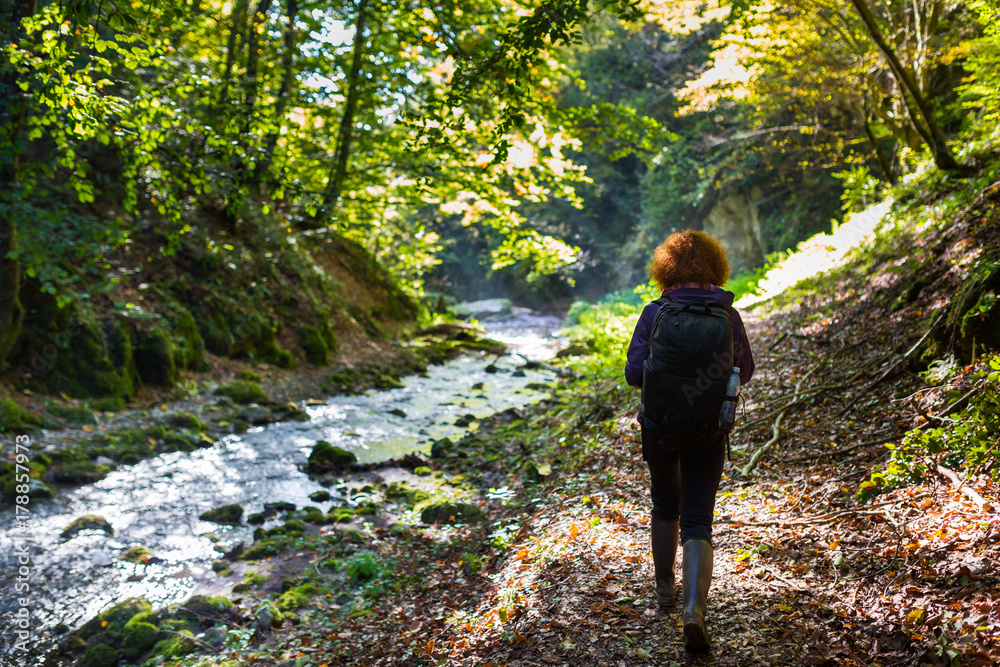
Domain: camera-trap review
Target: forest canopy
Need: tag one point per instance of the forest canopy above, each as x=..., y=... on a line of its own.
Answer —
x=548, y=143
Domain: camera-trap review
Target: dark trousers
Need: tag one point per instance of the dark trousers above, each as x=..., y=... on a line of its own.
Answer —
x=684, y=478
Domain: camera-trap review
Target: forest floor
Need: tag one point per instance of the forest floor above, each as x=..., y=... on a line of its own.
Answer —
x=804, y=574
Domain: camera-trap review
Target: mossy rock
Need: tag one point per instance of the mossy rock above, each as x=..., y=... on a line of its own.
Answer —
x=204, y=609
x=37, y=488
x=139, y=636
x=249, y=375
x=154, y=357
x=370, y=509
x=136, y=554
x=86, y=522
x=16, y=419
x=250, y=580
x=175, y=646
x=324, y=455
x=113, y=620
x=294, y=526
x=243, y=391
x=256, y=519
x=312, y=342
x=422, y=471
x=454, y=513
x=98, y=655
x=294, y=598
x=226, y=515
x=186, y=420
x=289, y=412
x=109, y=404
x=71, y=414
x=319, y=496
x=79, y=472
x=189, y=345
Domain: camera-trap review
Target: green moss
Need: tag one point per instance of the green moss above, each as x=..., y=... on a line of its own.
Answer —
x=190, y=347
x=186, y=420
x=325, y=455
x=37, y=488
x=268, y=546
x=80, y=472
x=250, y=580
x=138, y=637
x=109, y=404
x=422, y=471
x=14, y=418
x=207, y=608
x=242, y=391
x=256, y=519
x=71, y=414
x=154, y=357
x=86, y=522
x=227, y=514
x=98, y=655
x=114, y=619
x=294, y=526
x=312, y=342
x=175, y=646
x=452, y=513
x=248, y=375
x=136, y=554
x=294, y=598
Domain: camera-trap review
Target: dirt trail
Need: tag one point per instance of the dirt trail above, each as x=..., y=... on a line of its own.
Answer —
x=805, y=575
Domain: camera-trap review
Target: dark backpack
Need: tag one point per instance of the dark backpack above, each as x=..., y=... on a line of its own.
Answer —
x=687, y=368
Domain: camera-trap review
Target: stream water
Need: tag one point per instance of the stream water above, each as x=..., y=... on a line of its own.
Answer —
x=156, y=503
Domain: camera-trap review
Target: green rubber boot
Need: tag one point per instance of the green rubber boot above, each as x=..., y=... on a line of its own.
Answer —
x=663, y=540
x=697, y=577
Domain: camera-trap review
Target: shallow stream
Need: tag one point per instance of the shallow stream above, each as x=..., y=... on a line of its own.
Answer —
x=156, y=503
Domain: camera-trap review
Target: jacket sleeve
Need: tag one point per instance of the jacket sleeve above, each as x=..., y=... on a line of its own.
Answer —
x=741, y=348
x=639, y=346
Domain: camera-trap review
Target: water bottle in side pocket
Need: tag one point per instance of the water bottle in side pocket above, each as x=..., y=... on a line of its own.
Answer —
x=727, y=416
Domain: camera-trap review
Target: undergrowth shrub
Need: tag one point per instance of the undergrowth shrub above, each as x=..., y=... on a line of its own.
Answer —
x=966, y=441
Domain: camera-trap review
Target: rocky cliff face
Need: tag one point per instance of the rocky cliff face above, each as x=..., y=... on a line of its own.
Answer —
x=734, y=220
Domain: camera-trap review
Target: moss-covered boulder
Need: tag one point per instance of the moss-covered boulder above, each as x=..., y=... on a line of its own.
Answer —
x=37, y=488
x=325, y=456
x=98, y=655
x=207, y=609
x=154, y=357
x=452, y=513
x=226, y=515
x=295, y=597
x=86, y=522
x=243, y=391
x=136, y=554
x=139, y=635
x=256, y=518
x=16, y=419
x=175, y=646
x=79, y=472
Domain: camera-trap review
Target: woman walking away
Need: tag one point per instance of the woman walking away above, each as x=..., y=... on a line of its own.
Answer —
x=685, y=351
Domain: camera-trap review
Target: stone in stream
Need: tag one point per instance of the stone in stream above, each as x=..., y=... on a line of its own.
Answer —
x=324, y=455
x=137, y=554
x=86, y=522
x=478, y=385
x=104, y=461
x=452, y=513
x=398, y=413
x=319, y=496
x=289, y=412
x=256, y=518
x=465, y=420
x=226, y=515
x=272, y=509
x=441, y=448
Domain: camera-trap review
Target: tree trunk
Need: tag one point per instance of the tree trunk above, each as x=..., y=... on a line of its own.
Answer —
x=235, y=30
x=335, y=183
x=923, y=120
x=284, y=93
x=253, y=61
x=11, y=310
x=886, y=168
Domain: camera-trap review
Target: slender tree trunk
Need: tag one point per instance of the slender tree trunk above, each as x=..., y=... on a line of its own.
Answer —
x=235, y=30
x=253, y=61
x=345, y=136
x=886, y=169
x=923, y=120
x=11, y=98
x=284, y=93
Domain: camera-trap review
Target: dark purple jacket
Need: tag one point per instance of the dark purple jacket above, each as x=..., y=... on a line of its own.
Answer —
x=637, y=349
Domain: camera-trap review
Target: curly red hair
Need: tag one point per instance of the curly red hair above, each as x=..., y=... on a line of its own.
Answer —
x=689, y=257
